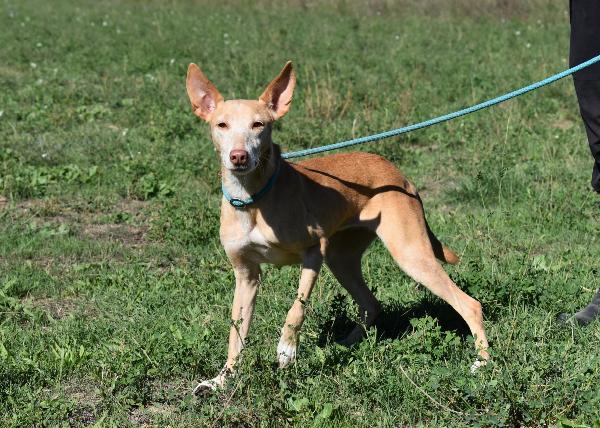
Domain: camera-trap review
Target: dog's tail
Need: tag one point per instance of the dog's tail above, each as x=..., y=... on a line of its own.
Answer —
x=442, y=252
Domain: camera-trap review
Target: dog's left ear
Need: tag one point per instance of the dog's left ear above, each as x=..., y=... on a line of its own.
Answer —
x=278, y=95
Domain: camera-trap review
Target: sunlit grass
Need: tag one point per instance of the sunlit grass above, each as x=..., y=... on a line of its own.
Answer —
x=115, y=292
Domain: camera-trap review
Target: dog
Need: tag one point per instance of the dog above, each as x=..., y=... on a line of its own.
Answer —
x=321, y=210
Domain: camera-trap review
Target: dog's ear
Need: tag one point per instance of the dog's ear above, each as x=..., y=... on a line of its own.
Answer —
x=278, y=94
x=204, y=96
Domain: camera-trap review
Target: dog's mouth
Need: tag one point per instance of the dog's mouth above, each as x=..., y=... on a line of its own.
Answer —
x=241, y=170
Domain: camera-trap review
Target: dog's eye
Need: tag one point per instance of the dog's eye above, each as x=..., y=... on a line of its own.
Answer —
x=222, y=125
x=257, y=124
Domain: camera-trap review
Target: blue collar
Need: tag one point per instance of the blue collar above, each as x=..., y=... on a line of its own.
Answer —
x=241, y=203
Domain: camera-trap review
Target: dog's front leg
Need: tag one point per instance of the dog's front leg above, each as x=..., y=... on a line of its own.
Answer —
x=247, y=278
x=312, y=259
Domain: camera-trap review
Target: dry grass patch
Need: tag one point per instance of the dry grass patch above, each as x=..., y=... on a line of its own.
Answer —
x=126, y=223
x=132, y=206
x=86, y=394
x=563, y=124
x=144, y=416
x=436, y=185
x=126, y=234
x=60, y=307
x=165, y=395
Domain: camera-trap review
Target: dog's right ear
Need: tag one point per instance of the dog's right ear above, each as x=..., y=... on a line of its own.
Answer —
x=203, y=95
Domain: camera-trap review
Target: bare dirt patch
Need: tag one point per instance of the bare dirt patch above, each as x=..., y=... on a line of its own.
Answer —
x=86, y=394
x=132, y=206
x=563, y=124
x=435, y=185
x=125, y=223
x=165, y=396
x=144, y=416
x=131, y=236
x=42, y=207
x=59, y=307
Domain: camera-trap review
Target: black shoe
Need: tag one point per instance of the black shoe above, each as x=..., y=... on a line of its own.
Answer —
x=586, y=315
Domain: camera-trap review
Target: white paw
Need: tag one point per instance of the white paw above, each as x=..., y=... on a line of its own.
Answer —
x=208, y=386
x=477, y=364
x=286, y=353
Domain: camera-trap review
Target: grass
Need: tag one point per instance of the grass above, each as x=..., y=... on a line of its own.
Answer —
x=115, y=292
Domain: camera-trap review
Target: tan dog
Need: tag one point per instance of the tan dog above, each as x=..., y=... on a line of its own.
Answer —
x=326, y=209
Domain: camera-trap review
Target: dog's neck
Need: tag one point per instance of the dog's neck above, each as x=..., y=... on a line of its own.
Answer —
x=246, y=185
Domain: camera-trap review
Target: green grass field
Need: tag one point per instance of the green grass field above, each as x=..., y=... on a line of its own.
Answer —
x=115, y=292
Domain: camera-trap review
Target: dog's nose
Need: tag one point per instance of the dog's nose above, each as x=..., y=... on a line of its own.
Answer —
x=238, y=157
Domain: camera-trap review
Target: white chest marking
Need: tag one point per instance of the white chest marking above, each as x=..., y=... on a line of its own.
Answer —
x=255, y=245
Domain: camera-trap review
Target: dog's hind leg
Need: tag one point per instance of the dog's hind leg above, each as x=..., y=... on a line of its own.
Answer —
x=403, y=231
x=343, y=257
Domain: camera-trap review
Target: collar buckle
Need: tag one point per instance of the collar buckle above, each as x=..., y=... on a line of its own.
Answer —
x=238, y=203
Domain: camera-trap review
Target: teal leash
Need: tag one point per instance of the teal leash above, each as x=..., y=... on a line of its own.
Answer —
x=444, y=118
x=243, y=203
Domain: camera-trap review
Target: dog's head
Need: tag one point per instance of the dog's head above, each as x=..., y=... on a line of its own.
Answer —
x=241, y=129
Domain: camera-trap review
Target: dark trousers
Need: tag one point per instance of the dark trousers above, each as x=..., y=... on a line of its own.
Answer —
x=585, y=44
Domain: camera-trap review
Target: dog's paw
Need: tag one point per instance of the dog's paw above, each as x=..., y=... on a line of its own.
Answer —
x=205, y=388
x=477, y=365
x=286, y=353
x=208, y=386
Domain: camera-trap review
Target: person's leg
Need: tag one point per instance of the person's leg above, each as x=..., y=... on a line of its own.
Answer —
x=588, y=95
x=585, y=44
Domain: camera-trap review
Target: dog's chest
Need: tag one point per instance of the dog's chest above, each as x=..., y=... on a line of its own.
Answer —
x=242, y=235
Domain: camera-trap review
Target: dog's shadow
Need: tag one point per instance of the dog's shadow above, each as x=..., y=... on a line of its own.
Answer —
x=393, y=322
